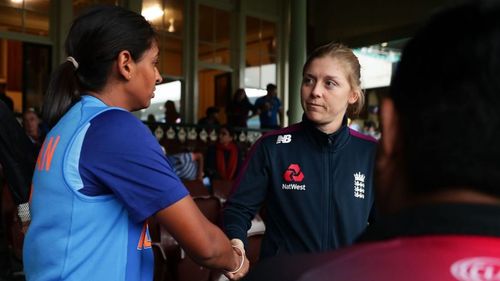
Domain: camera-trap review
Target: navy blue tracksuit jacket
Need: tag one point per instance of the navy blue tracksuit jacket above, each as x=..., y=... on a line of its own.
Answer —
x=317, y=189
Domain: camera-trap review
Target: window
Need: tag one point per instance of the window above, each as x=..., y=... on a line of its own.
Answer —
x=377, y=63
x=261, y=53
x=214, y=35
x=167, y=18
x=30, y=17
x=82, y=5
x=163, y=92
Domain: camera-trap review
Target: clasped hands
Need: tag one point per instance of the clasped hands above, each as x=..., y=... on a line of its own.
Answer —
x=242, y=270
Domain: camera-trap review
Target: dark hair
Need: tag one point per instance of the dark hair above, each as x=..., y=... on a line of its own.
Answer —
x=345, y=55
x=227, y=127
x=239, y=92
x=211, y=110
x=94, y=41
x=447, y=93
x=271, y=87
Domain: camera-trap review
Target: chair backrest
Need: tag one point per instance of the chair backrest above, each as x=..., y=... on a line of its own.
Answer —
x=222, y=188
x=188, y=270
x=196, y=188
x=210, y=207
x=253, y=247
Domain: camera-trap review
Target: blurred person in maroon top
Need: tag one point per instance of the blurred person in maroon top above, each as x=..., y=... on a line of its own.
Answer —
x=437, y=170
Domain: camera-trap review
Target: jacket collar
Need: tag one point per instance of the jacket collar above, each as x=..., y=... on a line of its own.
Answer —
x=334, y=140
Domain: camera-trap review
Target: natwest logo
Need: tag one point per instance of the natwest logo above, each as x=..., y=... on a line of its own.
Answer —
x=476, y=269
x=293, y=174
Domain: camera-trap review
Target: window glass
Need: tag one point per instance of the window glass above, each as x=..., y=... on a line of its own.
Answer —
x=82, y=5
x=378, y=63
x=260, y=56
x=214, y=35
x=30, y=17
x=163, y=92
x=167, y=17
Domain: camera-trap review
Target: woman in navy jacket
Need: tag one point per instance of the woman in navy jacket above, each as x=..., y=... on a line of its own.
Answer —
x=315, y=177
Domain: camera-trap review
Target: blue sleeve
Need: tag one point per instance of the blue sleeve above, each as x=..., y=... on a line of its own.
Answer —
x=120, y=156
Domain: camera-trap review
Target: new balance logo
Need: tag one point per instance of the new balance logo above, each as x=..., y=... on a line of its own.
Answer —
x=359, y=185
x=284, y=139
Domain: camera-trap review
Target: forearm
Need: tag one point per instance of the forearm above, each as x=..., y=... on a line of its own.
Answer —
x=236, y=220
x=203, y=241
x=218, y=252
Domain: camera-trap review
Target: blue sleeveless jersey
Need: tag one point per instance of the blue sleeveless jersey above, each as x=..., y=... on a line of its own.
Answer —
x=99, y=176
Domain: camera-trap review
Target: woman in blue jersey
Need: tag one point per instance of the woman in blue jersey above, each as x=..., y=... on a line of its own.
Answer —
x=100, y=173
x=314, y=177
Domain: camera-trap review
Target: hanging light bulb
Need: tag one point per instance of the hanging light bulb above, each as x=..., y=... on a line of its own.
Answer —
x=171, y=28
x=152, y=12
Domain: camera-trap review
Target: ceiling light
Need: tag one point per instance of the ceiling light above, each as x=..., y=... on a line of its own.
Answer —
x=152, y=13
x=171, y=28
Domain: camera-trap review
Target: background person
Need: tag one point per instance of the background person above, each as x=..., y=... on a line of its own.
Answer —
x=171, y=115
x=188, y=165
x=269, y=109
x=438, y=174
x=211, y=118
x=32, y=125
x=3, y=95
x=315, y=177
x=17, y=162
x=103, y=174
x=240, y=109
x=224, y=157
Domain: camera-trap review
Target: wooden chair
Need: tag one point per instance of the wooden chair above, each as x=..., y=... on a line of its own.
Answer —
x=253, y=247
x=222, y=188
x=166, y=250
x=196, y=188
x=210, y=207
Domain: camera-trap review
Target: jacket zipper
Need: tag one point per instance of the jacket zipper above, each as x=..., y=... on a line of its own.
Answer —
x=328, y=196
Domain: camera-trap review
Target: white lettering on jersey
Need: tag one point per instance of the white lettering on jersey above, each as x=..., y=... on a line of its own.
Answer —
x=284, y=139
x=476, y=269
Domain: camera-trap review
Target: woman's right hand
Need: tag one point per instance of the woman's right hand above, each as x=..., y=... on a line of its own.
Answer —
x=243, y=266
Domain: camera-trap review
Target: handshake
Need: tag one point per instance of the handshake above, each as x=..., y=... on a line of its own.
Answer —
x=242, y=269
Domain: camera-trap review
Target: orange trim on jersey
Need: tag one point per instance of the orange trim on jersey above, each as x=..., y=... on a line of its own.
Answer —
x=50, y=151
x=144, y=239
x=40, y=154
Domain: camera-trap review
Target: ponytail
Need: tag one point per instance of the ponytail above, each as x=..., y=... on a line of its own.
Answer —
x=93, y=43
x=61, y=93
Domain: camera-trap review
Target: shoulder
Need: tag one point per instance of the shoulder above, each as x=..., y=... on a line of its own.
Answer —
x=117, y=125
x=369, y=140
x=115, y=115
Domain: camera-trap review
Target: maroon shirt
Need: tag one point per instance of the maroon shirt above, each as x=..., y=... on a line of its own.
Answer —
x=457, y=242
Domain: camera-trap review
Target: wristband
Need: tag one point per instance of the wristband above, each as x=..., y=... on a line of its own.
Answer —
x=235, y=242
x=23, y=212
x=241, y=264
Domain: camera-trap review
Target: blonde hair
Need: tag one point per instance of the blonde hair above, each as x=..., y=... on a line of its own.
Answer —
x=346, y=56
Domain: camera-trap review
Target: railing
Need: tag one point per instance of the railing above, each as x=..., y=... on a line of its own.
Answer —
x=190, y=137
